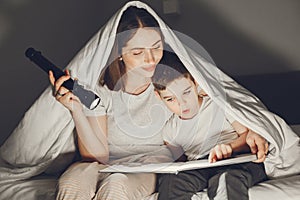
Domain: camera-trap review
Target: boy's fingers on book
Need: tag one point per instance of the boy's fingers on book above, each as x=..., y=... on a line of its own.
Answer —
x=219, y=155
x=213, y=160
x=229, y=150
x=211, y=156
x=225, y=151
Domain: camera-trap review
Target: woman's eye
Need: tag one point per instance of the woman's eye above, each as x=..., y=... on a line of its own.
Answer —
x=137, y=52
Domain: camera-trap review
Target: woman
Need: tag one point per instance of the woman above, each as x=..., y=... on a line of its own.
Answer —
x=126, y=96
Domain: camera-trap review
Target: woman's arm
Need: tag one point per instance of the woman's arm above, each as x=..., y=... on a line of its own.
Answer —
x=257, y=144
x=91, y=131
x=239, y=145
x=92, y=137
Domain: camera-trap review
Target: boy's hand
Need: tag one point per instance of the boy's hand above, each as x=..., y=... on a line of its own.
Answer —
x=219, y=152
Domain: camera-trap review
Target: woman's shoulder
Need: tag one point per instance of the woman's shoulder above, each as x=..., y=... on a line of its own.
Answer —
x=103, y=92
x=102, y=89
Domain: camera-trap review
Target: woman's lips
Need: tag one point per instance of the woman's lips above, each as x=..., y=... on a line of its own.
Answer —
x=149, y=68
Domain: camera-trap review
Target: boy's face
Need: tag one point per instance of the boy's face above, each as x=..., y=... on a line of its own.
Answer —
x=181, y=97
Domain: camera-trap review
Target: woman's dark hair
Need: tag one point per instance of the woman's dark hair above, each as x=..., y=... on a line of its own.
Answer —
x=169, y=69
x=132, y=19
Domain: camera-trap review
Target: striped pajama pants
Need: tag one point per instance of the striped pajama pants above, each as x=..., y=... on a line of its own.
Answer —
x=82, y=181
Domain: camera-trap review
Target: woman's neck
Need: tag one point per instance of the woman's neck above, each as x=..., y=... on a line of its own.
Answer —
x=135, y=83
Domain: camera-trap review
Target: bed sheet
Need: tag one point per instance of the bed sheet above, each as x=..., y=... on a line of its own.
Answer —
x=43, y=188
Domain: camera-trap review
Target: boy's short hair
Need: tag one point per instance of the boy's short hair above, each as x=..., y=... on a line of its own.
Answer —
x=169, y=69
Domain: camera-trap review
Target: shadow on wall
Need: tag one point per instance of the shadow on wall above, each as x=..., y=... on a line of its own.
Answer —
x=233, y=50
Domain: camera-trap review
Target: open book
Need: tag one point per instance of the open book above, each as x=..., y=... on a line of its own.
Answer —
x=175, y=167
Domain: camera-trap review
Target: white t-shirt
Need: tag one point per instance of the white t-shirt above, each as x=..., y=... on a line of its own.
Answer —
x=197, y=136
x=134, y=122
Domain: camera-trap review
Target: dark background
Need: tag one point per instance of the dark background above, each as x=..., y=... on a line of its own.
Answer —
x=256, y=42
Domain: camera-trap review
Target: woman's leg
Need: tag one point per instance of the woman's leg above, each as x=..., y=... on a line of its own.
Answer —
x=183, y=185
x=118, y=186
x=234, y=181
x=80, y=181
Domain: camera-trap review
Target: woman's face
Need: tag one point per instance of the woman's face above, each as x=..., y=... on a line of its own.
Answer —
x=142, y=52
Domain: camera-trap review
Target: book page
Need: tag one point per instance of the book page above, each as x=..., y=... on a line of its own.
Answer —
x=175, y=167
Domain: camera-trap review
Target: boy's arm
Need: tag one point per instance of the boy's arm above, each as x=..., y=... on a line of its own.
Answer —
x=177, y=152
x=238, y=145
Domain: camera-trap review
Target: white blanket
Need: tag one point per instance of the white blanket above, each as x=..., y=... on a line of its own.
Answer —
x=46, y=131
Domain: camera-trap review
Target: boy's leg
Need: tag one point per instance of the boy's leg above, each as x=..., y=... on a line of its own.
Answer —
x=234, y=181
x=183, y=185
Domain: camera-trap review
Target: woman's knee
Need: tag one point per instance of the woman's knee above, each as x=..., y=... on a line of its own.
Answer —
x=78, y=182
x=114, y=187
x=126, y=186
x=74, y=189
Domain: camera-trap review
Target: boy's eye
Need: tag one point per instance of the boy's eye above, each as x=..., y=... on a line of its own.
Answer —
x=157, y=47
x=187, y=92
x=170, y=99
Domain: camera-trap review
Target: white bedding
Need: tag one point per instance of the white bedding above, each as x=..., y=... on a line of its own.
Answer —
x=43, y=188
x=46, y=131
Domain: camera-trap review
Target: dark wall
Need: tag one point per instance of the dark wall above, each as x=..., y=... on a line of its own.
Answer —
x=279, y=92
x=60, y=28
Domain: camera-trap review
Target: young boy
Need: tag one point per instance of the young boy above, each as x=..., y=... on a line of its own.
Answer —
x=199, y=128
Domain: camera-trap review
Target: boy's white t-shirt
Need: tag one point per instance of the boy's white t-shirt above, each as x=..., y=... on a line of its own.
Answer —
x=197, y=136
x=134, y=122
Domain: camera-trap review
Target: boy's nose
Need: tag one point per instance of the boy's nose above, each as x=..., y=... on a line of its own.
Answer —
x=181, y=101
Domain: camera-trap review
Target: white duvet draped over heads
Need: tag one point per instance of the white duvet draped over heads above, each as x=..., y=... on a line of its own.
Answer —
x=44, y=139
